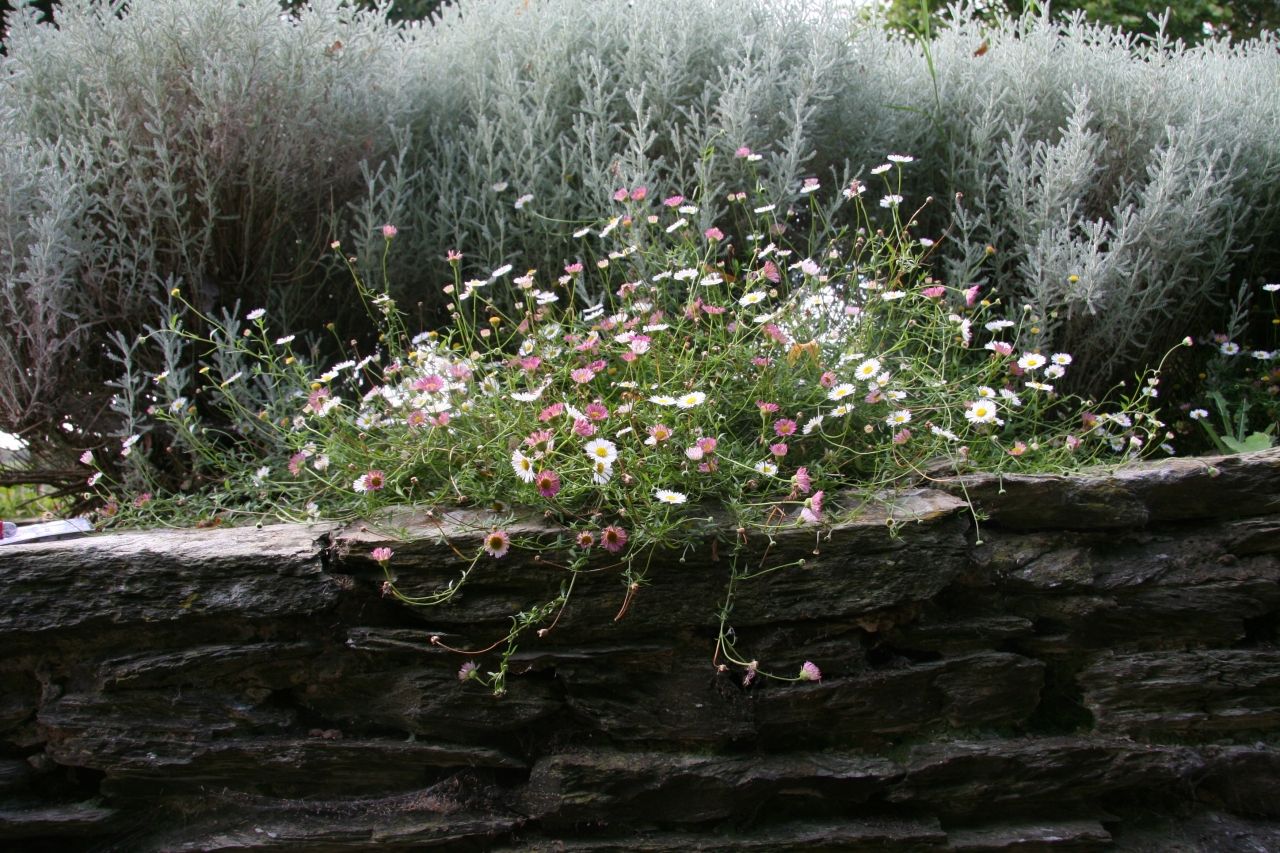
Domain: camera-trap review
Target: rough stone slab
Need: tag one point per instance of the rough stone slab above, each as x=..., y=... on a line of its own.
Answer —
x=1191, y=693
x=990, y=688
x=872, y=836
x=311, y=767
x=1203, y=832
x=273, y=665
x=1074, y=835
x=146, y=577
x=1242, y=780
x=57, y=821
x=1042, y=775
x=886, y=555
x=373, y=830
x=653, y=789
x=1234, y=486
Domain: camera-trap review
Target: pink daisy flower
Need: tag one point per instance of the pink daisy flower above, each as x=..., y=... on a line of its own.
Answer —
x=613, y=538
x=497, y=543
x=548, y=483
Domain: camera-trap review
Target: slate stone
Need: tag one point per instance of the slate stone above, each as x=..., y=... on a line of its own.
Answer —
x=1198, y=694
x=1074, y=835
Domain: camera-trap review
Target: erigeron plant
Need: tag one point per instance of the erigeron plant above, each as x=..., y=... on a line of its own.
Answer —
x=622, y=395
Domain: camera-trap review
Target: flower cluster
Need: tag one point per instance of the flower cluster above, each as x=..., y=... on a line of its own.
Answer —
x=663, y=369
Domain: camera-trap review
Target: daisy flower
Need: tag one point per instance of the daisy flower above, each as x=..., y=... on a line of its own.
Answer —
x=613, y=538
x=811, y=513
x=868, y=369
x=548, y=483
x=370, y=481
x=1198, y=414
x=784, y=427
x=657, y=433
x=497, y=543
x=693, y=398
x=601, y=450
x=752, y=298
x=841, y=391
x=899, y=417
x=662, y=400
x=1032, y=361
x=766, y=467
x=982, y=412
x=667, y=496
x=523, y=466
x=1061, y=359
x=810, y=672
x=601, y=472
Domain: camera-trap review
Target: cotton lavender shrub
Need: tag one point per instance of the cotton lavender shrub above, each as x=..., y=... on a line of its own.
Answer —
x=783, y=380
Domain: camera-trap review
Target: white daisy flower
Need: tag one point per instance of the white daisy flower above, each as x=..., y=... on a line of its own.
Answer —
x=523, y=466
x=667, y=496
x=982, y=412
x=601, y=450
x=693, y=398
x=844, y=389
x=1032, y=361
x=867, y=370
x=766, y=467
x=752, y=298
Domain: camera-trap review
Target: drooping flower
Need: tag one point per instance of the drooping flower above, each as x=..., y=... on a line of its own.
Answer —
x=468, y=671
x=497, y=543
x=809, y=672
x=811, y=512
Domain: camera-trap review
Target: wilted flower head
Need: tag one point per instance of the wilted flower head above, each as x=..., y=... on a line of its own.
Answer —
x=809, y=672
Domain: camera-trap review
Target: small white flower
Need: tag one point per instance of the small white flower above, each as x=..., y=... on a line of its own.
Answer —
x=1061, y=359
x=667, y=496
x=901, y=158
x=693, y=398
x=890, y=295
x=766, y=467
x=1055, y=371
x=523, y=466
x=1031, y=361
x=1010, y=397
x=256, y=314
x=601, y=472
x=811, y=424
x=500, y=271
x=891, y=200
x=1271, y=288
x=844, y=389
x=1261, y=355
x=981, y=412
x=898, y=418
x=882, y=168
x=1198, y=414
x=285, y=340
x=688, y=209
x=581, y=232
x=1040, y=386
x=662, y=400
x=601, y=450
x=677, y=225
x=523, y=200
x=997, y=325
x=499, y=186
x=986, y=392
x=765, y=209
x=752, y=298
x=841, y=410
x=1229, y=348
x=944, y=433
x=868, y=369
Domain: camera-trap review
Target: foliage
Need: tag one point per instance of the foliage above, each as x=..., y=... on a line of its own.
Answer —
x=675, y=371
x=216, y=145
x=1239, y=404
x=1189, y=20
x=220, y=147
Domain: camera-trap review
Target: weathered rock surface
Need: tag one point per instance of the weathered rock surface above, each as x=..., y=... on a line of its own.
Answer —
x=1101, y=671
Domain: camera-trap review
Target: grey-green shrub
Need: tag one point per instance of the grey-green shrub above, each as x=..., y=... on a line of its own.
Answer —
x=208, y=145
x=1077, y=150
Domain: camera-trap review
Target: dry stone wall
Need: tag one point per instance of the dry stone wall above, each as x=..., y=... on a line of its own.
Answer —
x=1033, y=663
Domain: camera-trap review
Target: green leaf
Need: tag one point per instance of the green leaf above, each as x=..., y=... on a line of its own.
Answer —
x=1253, y=442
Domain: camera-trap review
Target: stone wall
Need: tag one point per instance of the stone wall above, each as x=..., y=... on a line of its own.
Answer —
x=1092, y=664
